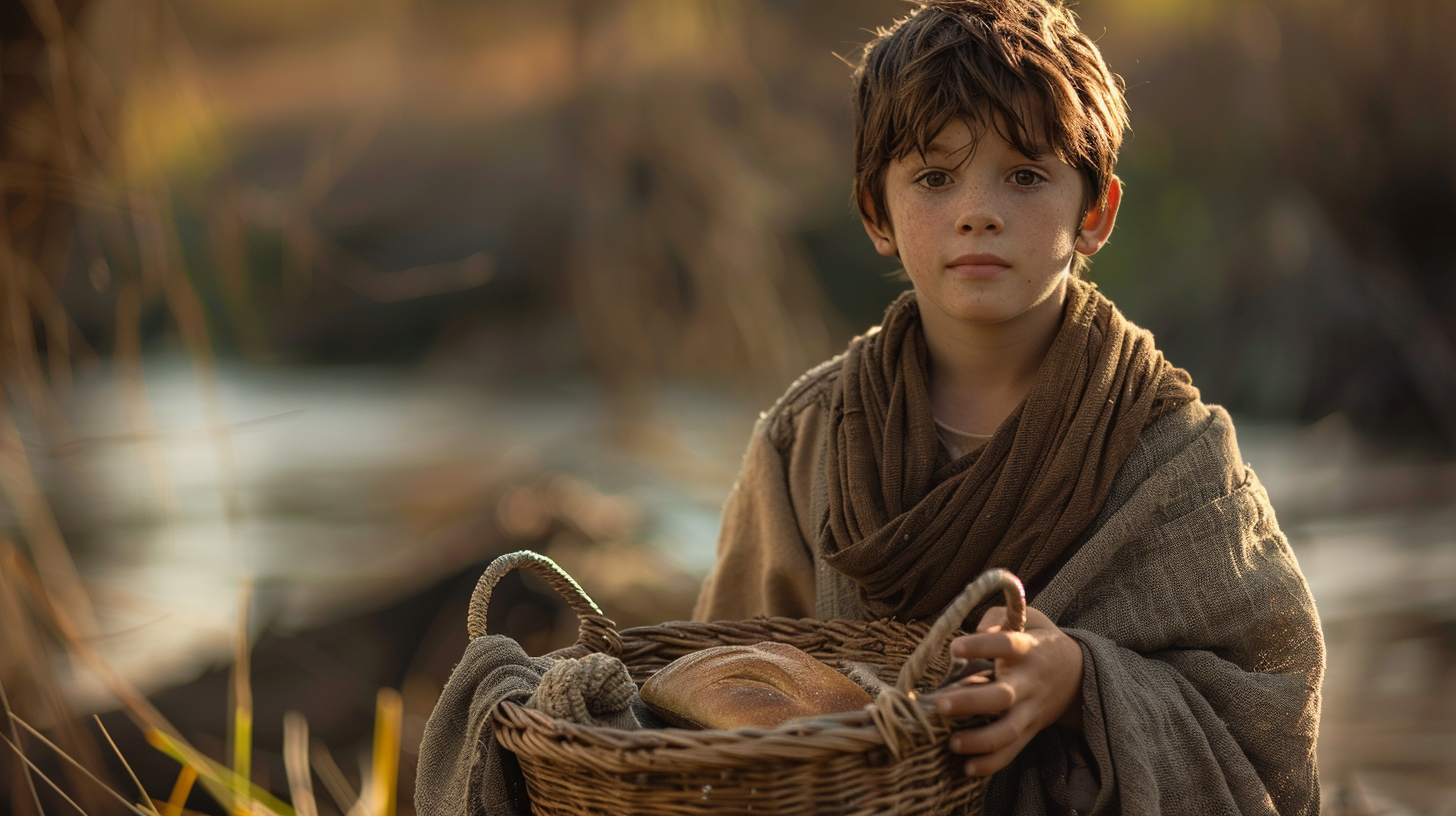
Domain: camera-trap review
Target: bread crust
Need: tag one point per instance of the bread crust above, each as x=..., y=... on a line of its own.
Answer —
x=759, y=686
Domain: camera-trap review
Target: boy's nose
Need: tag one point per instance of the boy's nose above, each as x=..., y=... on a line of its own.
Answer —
x=974, y=222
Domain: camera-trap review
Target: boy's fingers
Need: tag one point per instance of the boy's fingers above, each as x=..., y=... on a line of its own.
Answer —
x=991, y=645
x=983, y=698
x=995, y=619
x=1007, y=732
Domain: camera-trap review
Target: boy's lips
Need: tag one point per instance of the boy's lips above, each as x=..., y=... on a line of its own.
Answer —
x=979, y=265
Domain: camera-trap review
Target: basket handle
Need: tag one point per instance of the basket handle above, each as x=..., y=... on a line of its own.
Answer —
x=597, y=632
x=913, y=672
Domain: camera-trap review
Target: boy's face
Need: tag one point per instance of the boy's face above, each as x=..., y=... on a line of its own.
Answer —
x=986, y=234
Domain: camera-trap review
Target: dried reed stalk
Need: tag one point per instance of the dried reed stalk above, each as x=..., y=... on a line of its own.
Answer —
x=295, y=760
x=146, y=798
x=15, y=738
x=182, y=789
x=78, y=766
x=241, y=691
x=388, y=716
x=333, y=778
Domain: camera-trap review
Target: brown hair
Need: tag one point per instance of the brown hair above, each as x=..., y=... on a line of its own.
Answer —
x=1020, y=66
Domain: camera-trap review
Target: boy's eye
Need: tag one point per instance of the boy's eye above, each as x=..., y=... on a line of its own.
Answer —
x=1025, y=178
x=935, y=178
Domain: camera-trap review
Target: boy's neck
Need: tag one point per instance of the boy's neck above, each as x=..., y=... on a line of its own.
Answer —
x=980, y=372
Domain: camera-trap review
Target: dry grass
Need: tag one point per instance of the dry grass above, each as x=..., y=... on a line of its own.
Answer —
x=231, y=786
x=80, y=185
x=86, y=184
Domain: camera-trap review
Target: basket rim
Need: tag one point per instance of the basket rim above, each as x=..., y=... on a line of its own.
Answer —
x=667, y=749
x=830, y=626
x=899, y=636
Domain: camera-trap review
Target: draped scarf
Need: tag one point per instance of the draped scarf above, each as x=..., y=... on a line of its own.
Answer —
x=912, y=532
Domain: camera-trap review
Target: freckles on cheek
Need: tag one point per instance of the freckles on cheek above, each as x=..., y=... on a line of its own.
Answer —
x=913, y=242
x=1064, y=239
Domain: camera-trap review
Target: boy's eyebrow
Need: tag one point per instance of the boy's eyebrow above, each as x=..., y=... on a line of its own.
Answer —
x=964, y=152
x=961, y=154
x=940, y=151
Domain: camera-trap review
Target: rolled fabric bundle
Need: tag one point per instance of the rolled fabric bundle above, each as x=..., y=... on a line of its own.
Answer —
x=592, y=690
x=759, y=686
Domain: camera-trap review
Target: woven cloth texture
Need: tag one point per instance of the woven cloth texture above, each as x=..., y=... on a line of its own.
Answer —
x=1202, y=648
x=911, y=533
x=462, y=770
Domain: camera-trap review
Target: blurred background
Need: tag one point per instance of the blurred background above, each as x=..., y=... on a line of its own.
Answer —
x=311, y=308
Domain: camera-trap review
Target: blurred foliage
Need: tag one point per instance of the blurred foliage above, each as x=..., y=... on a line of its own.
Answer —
x=653, y=188
x=1289, y=195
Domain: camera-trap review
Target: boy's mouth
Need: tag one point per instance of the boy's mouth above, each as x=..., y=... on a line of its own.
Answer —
x=979, y=265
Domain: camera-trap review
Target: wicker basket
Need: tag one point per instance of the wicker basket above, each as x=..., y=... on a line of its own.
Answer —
x=891, y=757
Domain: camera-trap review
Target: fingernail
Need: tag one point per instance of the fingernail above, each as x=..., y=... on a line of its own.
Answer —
x=943, y=706
x=970, y=769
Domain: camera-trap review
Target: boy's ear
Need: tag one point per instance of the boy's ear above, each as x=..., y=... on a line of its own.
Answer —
x=879, y=229
x=1097, y=226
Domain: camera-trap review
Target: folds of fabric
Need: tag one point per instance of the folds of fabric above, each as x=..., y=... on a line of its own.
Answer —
x=462, y=770
x=909, y=532
x=1202, y=650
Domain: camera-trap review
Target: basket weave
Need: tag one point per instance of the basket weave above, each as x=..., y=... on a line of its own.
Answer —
x=891, y=757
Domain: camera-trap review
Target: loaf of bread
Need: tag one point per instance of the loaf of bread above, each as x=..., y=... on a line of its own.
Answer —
x=760, y=686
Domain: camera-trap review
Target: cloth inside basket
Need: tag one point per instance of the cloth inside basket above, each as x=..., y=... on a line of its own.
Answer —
x=462, y=770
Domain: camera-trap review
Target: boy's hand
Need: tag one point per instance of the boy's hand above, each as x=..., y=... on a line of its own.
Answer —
x=1038, y=682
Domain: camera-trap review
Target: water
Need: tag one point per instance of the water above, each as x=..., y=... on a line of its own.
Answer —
x=354, y=488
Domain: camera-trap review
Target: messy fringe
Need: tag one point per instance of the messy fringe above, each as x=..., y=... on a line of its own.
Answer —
x=1020, y=67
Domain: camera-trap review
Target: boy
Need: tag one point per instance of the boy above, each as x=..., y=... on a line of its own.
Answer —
x=1006, y=415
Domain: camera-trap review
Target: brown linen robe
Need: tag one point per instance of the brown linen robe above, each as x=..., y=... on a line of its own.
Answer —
x=1202, y=649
